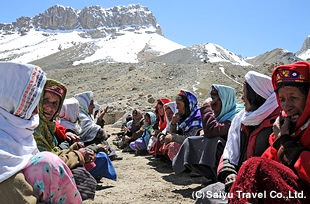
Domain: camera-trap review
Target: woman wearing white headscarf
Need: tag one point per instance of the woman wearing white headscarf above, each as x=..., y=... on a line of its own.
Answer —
x=170, y=109
x=92, y=134
x=155, y=145
x=20, y=90
x=68, y=116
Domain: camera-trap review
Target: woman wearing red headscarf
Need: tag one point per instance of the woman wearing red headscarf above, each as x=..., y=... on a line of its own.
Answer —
x=161, y=113
x=282, y=174
x=162, y=123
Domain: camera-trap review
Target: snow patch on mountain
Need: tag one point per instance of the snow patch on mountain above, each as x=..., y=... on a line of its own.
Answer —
x=209, y=52
x=125, y=48
x=122, y=47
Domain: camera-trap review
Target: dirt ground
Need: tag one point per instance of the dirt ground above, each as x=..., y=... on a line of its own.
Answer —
x=145, y=179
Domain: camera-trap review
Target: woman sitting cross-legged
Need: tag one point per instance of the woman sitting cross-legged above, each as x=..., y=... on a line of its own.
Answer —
x=47, y=134
x=248, y=133
x=155, y=147
x=133, y=131
x=92, y=132
x=140, y=144
x=201, y=154
x=185, y=123
x=27, y=175
x=282, y=174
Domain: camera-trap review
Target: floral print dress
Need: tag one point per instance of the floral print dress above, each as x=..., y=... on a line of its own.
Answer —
x=51, y=179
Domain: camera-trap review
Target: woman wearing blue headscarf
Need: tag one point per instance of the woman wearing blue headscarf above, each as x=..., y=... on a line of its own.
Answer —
x=201, y=154
x=140, y=144
x=183, y=124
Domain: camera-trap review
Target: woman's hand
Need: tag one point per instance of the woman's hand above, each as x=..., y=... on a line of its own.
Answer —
x=103, y=112
x=161, y=138
x=155, y=133
x=281, y=126
x=168, y=138
x=81, y=145
x=72, y=137
x=175, y=118
x=126, y=139
x=89, y=155
x=103, y=148
x=207, y=101
x=229, y=181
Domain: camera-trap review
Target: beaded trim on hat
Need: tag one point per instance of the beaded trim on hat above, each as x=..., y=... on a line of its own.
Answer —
x=57, y=89
x=286, y=75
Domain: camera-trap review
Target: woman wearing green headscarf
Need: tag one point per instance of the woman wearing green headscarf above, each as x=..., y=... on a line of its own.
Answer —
x=45, y=135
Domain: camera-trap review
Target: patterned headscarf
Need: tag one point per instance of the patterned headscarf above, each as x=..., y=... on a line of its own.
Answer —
x=228, y=98
x=194, y=119
x=89, y=128
x=44, y=133
x=20, y=89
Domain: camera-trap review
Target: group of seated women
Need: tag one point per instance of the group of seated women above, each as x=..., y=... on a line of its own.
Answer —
x=42, y=160
x=258, y=148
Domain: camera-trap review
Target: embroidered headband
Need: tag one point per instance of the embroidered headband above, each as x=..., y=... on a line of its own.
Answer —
x=287, y=75
x=56, y=89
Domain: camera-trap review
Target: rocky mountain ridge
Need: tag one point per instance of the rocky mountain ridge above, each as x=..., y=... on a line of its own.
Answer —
x=94, y=20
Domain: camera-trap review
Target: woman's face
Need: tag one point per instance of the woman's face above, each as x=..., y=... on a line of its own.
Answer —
x=180, y=106
x=216, y=105
x=169, y=114
x=51, y=104
x=247, y=104
x=292, y=101
x=147, y=119
x=135, y=116
x=91, y=107
x=160, y=109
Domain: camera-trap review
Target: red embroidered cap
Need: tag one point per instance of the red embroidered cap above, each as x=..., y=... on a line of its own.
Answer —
x=56, y=89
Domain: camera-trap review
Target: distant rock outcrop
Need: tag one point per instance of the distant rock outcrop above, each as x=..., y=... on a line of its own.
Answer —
x=305, y=45
x=97, y=20
x=304, y=52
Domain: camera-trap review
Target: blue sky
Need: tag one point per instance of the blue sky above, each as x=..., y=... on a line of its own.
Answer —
x=246, y=27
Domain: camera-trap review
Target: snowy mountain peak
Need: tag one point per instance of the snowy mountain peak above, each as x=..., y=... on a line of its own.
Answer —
x=304, y=52
x=209, y=52
x=118, y=34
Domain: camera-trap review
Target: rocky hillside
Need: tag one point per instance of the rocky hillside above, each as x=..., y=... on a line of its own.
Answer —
x=125, y=86
x=275, y=56
x=202, y=53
